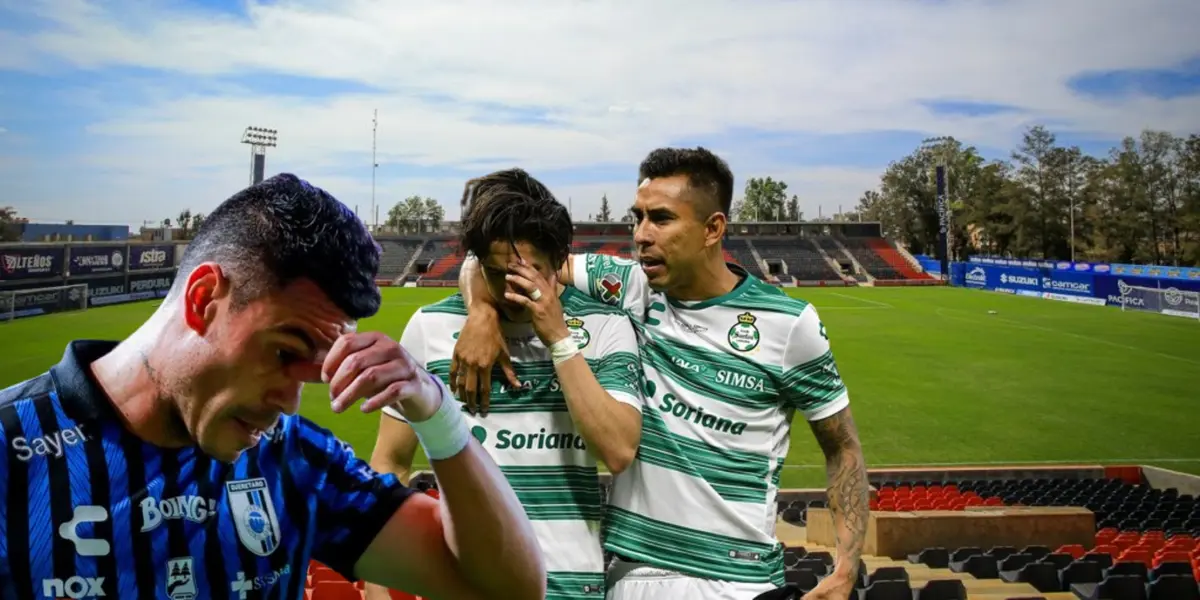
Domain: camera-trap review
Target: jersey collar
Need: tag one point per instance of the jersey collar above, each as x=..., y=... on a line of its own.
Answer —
x=79, y=393
x=744, y=283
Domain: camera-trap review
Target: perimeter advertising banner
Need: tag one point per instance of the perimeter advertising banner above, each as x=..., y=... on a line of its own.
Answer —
x=38, y=262
x=144, y=258
x=145, y=286
x=95, y=260
x=39, y=301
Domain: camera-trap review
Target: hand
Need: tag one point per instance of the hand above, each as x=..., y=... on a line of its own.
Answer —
x=833, y=587
x=548, y=321
x=480, y=345
x=376, y=367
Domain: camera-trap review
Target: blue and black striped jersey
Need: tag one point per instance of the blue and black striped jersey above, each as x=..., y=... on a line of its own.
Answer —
x=88, y=510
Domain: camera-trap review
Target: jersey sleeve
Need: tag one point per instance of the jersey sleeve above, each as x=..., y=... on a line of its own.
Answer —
x=612, y=280
x=810, y=382
x=618, y=367
x=353, y=501
x=413, y=340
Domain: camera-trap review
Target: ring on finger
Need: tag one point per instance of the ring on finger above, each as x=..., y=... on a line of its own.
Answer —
x=536, y=294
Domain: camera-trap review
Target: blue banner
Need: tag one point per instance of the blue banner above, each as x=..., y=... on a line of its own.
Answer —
x=31, y=262
x=1154, y=272
x=142, y=258
x=1115, y=289
x=145, y=286
x=1012, y=280
x=94, y=260
x=1070, y=283
x=103, y=291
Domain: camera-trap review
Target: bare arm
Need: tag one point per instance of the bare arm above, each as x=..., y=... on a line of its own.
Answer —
x=395, y=446
x=480, y=344
x=475, y=543
x=612, y=429
x=848, y=489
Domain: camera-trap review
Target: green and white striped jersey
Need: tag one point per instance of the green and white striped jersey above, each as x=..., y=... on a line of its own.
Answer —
x=723, y=378
x=530, y=433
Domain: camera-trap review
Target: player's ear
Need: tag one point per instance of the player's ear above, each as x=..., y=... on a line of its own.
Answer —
x=205, y=284
x=714, y=228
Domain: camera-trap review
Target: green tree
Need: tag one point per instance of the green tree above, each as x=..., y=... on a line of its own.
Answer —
x=764, y=199
x=605, y=214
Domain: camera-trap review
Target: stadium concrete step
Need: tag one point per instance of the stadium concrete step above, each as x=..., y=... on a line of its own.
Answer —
x=919, y=575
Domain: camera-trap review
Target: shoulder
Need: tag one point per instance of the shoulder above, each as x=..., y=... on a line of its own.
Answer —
x=38, y=389
x=451, y=305
x=299, y=438
x=764, y=297
x=577, y=304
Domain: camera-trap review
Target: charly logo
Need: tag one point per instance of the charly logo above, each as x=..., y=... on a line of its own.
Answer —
x=744, y=335
x=580, y=335
x=254, y=514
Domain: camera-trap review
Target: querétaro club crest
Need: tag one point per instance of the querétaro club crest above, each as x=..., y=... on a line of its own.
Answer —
x=744, y=335
x=254, y=514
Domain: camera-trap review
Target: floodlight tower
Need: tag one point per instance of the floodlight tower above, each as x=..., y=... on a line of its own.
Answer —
x=259, y=140
x=940, y=146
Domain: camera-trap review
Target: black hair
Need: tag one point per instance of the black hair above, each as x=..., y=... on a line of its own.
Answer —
x=283, y=230
x=707, y=173
x=512, y=206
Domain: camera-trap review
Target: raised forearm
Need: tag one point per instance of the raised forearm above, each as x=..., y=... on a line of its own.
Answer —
x=487, y=528
x=611, y=429
x=473, y=286
x=848, y=491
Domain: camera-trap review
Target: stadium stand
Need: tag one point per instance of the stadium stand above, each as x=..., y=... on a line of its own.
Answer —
x=872, y=262
x=441, y=260
x=397, y=253
x=796, y=258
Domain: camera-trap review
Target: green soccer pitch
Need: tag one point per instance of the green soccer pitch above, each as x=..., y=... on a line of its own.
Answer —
x=935, y=377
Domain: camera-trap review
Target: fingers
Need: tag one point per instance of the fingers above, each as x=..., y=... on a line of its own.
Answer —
x=525, y=284
x=470, y=389
x=485, y=390
x=521, y=299
x=343, y=347
x=509, y=372
x=454, y=374
x=395, y=391
x=368, y=371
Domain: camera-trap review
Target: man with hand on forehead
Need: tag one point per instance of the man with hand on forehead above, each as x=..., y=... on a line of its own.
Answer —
x=184, y=466
x=579, y=401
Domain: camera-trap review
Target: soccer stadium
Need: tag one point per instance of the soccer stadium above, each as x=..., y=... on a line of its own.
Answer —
x=1029, y=426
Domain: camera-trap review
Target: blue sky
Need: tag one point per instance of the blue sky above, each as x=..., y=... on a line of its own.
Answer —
x=125, y=111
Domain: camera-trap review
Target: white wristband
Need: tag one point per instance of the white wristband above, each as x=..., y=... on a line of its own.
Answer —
x=445, y=433
x=562, y=350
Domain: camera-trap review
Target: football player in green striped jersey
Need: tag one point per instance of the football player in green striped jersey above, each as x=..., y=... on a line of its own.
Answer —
x=577, y=395
x=728, y=361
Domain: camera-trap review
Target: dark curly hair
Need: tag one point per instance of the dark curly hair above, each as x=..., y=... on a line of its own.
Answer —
x=512, y=206
x=282, y=230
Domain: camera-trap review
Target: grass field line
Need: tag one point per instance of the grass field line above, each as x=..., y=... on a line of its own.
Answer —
x=862, y=300
x=983, y=463
x=1021, y=325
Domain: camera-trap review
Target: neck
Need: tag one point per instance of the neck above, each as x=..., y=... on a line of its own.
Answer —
x=710, y=280
x=134, y=381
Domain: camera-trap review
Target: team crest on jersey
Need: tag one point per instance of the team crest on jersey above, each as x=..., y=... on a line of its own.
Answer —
x=181, y=585
x=578, y=333
x=254, y=514
x=610, y=288
x=744, y=335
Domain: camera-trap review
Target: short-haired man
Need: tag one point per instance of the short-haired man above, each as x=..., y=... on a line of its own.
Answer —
x=576, y=360
x=727, y=361
x=183, y=470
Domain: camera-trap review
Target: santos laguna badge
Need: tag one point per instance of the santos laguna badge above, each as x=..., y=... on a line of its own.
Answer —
x=744, y=335
x=578, y=333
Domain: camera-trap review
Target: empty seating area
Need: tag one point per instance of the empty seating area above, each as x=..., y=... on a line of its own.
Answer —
x=443, y=260
x=863, y=252
x=802, y=260
x=395, y=257
x=737, y=251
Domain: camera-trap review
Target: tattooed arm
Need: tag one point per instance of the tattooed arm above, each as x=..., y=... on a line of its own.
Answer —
x=848, y=493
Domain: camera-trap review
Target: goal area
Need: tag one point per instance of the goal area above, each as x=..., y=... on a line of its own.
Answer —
x=1165, y=301
x=15, y=304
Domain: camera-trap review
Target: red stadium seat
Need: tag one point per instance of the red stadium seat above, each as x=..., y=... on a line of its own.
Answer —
x=325, y=574
x=1075, y=550
x=331, y=590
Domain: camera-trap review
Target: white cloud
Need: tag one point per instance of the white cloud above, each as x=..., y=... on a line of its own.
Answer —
x=614, y=79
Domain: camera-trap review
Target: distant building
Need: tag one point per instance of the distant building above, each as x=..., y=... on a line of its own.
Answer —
x=51, y=232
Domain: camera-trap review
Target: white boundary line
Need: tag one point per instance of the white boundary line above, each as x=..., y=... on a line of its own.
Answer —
x=857, y=299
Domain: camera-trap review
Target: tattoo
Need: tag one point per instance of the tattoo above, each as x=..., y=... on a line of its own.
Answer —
x=848, y=491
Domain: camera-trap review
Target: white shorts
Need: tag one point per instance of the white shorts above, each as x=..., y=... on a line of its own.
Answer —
x=636, y=581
